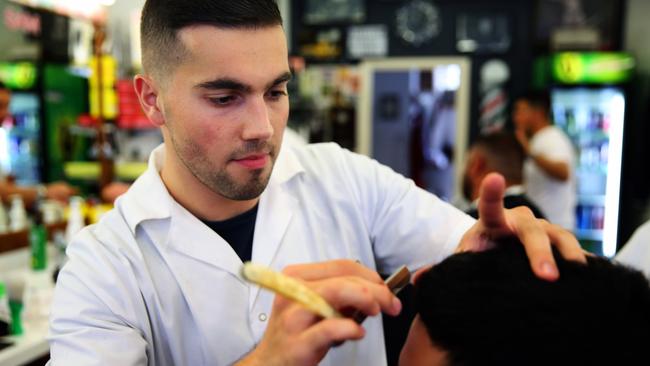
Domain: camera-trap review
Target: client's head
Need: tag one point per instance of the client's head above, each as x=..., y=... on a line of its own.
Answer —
x=489, y=309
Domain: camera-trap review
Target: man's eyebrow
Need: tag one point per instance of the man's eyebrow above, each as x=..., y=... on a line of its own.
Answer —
x=232, y=84
x=224, y=83
x=280, y=79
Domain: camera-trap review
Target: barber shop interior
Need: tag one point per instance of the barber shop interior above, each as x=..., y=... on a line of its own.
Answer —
x=324, y=182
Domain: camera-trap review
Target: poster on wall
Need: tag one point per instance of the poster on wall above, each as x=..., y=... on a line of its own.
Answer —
x=601, y=17
x=367, y=41
x=482, y=33
x=321, y=45
x=334, y=11
x=20, y=28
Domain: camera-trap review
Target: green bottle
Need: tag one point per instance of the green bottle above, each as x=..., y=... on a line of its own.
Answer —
x=38, y=241
x=5, y=313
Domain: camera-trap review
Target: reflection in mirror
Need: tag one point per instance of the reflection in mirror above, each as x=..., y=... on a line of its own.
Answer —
x=413, y=118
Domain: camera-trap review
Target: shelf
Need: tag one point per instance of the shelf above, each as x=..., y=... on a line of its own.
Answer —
x=600, y=169
x=20, y=239
x=595, y=234
x=591, y=199
x=90, y=131
x=90, y=170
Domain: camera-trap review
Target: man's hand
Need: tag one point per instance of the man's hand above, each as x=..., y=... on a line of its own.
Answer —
x=522, y=137
x=536, y=235
x=297, y=337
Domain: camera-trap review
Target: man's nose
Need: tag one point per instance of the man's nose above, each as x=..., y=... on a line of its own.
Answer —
x=258, y=123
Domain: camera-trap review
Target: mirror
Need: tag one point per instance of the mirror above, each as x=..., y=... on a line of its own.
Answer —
x=413, y=116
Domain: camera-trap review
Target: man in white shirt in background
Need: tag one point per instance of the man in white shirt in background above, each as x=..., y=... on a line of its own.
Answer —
x=549, y=168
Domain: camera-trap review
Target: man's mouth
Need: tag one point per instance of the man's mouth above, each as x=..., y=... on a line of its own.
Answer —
x=253, y=161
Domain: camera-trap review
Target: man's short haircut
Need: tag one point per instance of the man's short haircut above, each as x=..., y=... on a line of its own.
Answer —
x=504, y=154
x=539, y=99
x=162, y=19
x=490, y=309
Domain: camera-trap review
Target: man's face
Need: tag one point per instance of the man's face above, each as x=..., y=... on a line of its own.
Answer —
x=225, y=107
x=5, y=99
x=418, y=349
x=522, y=115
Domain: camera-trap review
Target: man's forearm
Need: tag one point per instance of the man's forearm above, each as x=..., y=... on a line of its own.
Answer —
x=556, y=169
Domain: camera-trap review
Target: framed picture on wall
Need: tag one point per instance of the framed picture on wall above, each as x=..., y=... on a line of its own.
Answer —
x=483, y=33
x=602, y=16
x=334, y=11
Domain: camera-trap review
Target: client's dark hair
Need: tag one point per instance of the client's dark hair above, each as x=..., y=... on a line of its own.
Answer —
x=490, y=309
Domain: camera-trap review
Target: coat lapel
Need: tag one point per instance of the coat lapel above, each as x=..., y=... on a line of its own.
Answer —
x=276, y=209
x=189, y=236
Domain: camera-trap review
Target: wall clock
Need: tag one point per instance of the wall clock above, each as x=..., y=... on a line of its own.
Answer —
x=418, y=22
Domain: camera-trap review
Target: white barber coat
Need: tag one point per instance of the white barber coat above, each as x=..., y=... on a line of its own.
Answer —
x=150, y=284
x=636, y=252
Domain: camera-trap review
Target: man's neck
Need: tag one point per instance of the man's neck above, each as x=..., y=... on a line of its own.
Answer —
x=197, y=198
x=540, y=126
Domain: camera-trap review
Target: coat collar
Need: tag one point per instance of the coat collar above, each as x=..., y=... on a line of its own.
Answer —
x=148, y=198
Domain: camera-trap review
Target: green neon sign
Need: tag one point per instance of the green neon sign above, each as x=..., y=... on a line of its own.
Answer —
x=592, y=67
x=19, y=76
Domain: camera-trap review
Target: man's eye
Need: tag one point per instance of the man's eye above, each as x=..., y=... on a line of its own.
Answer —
x=222, y=101
x=277, y=94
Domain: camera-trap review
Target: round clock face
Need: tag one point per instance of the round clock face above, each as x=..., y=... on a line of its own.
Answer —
x=418, y=22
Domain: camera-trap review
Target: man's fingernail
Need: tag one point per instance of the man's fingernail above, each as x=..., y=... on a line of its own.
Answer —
x=549, y=270
x=397, y=305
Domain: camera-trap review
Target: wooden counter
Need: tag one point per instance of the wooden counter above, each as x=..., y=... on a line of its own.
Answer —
x=20, y=239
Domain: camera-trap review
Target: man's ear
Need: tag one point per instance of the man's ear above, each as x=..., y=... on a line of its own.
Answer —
x=148, y=94
x=478, y=165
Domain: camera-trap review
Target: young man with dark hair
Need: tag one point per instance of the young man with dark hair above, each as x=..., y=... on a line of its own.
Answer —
x=488, y=308
x=549, y=167
x=498, y=152
x=158, y=281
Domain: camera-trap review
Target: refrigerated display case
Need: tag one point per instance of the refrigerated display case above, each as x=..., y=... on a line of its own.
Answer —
x=588, y=102
x=20, y=134
x=22, y=137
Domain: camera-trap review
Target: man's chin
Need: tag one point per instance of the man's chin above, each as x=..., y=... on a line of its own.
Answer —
x=248, y=189
x=247, y=192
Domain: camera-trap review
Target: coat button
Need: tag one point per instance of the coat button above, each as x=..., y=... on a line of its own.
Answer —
x=262, y=317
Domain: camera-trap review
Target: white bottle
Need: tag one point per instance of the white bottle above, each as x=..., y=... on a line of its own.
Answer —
x=76, y=220
x=17, y=214
x=37, y=298
x=49, y=212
